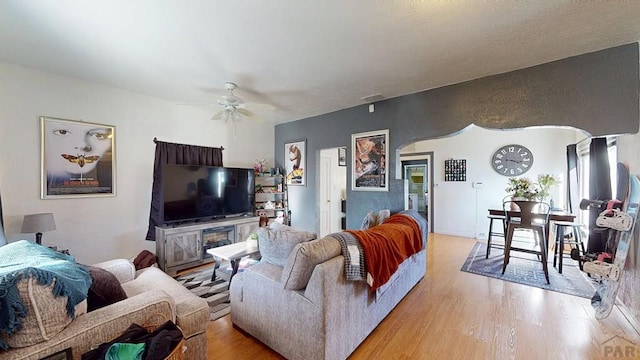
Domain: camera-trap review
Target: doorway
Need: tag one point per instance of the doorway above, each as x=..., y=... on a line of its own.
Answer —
x=417, y=171
x=417, y=185
x=332, y=191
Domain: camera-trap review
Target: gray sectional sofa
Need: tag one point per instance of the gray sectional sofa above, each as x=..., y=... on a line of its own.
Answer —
x=307, y=309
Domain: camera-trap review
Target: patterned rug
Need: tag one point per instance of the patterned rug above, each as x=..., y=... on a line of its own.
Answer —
x=526, y=269
x=216, y=293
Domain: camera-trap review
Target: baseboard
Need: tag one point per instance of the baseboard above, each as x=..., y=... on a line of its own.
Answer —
x=629, y=316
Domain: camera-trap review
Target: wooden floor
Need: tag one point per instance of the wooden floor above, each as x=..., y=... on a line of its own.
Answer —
x=451, y=314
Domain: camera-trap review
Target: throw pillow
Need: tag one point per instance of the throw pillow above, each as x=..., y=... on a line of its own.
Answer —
x=369, y=221
x=145, y=259
x=105, y=289
x=383, y=215
x=275, y=246
x=276, y=226
x=304, y=258
x=46, y=314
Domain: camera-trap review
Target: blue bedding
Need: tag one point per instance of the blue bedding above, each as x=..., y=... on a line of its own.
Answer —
x=23, y=259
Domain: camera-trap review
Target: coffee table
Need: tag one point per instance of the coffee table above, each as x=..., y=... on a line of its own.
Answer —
x=233, y=253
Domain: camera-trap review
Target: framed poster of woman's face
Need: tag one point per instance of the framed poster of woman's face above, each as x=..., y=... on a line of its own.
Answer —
x=370, y=170
x=77, y=158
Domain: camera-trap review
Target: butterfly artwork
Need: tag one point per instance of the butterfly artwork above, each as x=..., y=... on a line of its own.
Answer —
x=81, y=160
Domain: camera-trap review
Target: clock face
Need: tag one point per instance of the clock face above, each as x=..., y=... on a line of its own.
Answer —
x=512, y=160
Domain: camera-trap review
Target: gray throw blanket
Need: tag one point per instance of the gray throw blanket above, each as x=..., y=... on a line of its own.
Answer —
x=422, y=222
x=22, y=259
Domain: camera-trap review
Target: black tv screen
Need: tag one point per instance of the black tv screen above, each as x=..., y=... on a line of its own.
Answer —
x=195, y=193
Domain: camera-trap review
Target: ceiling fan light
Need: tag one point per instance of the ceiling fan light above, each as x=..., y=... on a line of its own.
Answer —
x=225, y=115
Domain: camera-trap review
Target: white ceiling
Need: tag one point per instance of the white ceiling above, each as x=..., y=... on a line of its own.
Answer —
x=306, y=57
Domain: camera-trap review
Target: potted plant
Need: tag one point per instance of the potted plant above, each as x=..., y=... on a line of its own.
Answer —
x=545, y=182
x=523, y=188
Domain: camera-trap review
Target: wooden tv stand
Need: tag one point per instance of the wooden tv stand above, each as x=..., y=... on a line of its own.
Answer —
x=184, y=246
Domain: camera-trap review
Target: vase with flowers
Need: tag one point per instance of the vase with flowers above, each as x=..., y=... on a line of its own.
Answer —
x=259, y=166
x=523, y=188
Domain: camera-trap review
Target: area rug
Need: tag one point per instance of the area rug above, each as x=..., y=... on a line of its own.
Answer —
x=525, y=269
x=216, y=292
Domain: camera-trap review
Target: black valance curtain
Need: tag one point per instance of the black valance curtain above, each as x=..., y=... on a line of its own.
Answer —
x=171, y=153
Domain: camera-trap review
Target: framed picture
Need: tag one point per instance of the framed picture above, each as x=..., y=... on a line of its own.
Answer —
x=295, y=153
x=342, y=156
x=370, y=170
x=77, y=159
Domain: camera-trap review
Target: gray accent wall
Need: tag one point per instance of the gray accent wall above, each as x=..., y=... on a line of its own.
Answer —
x=597, y=92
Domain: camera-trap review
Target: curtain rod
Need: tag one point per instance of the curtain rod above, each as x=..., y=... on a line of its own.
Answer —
x=155, y=141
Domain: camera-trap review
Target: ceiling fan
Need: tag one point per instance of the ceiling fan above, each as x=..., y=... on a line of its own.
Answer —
x=234, y=108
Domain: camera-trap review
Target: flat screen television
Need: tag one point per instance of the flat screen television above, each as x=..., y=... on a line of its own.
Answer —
x=202, y=193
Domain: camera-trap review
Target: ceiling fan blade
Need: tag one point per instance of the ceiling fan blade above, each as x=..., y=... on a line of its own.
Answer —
x=196, y=104
x=220, y=115
x=250, y=115
x=258, y=107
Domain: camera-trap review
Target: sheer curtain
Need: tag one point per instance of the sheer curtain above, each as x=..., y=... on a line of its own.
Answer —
x=573, y=179
x=171, y=153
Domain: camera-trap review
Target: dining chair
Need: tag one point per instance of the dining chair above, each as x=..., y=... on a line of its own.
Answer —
x=533, y=217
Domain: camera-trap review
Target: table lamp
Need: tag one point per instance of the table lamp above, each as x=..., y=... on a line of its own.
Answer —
x=38, y=223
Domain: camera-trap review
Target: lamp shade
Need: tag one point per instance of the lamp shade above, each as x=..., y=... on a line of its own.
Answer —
x=37, y=223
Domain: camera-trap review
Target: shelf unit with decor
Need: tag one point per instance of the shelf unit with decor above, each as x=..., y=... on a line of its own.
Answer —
x=271, y=198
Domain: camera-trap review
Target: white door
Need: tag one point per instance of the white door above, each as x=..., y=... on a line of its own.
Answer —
x=332, y=189
x=325, y=194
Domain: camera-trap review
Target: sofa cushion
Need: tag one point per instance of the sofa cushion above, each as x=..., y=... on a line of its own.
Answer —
x=105, y=289
x=190, y=309
x=304, y=258
x=275, y=246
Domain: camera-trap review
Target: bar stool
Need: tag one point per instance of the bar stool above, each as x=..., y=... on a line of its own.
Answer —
x=503, y=219
x=492, y=233
x=561, y=227
x=534, y=216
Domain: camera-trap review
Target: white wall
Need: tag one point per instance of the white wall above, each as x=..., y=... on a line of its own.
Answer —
x=459, y=208
x=96, y=229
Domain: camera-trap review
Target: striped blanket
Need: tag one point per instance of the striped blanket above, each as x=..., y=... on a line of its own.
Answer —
x=354, y=267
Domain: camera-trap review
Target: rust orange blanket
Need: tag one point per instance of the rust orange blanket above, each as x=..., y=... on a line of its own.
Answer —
x=387, y=245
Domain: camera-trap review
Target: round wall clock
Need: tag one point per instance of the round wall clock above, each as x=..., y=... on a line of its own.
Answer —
x=512, y=160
